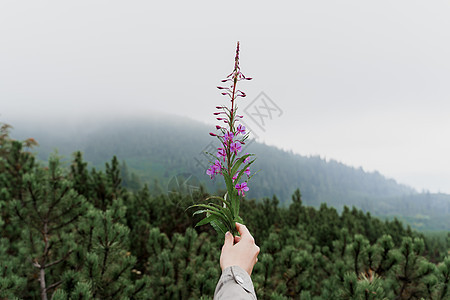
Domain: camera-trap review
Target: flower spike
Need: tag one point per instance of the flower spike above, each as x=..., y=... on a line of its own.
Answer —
x=227, y=162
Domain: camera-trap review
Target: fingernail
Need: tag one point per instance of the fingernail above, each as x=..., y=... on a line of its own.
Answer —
x=228, y=233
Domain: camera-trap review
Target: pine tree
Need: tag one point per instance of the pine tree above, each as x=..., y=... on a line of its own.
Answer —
x=441, y=283
x=412, y=270
x=47, y=213
x=11, y=284
x=15, y=163
x=105, y=260
x=80, y=175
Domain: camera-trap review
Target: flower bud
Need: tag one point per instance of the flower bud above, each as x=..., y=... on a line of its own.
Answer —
x=212, y=134
x=218, y=127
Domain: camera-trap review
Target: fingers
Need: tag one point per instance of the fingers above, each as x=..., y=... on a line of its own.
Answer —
x=237, y=239
x=242, y=229
x=228, y=239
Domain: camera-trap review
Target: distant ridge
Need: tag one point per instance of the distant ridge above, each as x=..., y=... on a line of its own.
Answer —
x=162, y=146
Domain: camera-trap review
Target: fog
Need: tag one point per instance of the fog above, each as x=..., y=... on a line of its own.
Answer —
x=364, y=83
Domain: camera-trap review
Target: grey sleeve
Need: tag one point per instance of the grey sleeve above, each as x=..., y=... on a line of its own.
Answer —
x=235, y=283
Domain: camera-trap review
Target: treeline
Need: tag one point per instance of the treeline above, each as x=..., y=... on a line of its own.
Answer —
x=162, y=147
x=69, y=232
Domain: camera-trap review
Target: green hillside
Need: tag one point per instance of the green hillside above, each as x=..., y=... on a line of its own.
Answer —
x=161, y=147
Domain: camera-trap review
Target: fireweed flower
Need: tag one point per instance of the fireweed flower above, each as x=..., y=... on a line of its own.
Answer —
x=227, y=161
x=228, y=136
x=235, y=147
x=241, y=129
x=210, y=172
x=218, y=164
x=242, y=188
x=235, y=176
x=221, y=153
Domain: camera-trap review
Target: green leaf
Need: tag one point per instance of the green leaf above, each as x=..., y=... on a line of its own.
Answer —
x=237, y=206
x=229, y=183
x=243, y=170
x=213, y=197
x=238, y=163
x=201, y=211
x=203, y=206
x=223, y=213
x=219, y=227
x=226, y=210
x=214, y=211
x=253, y=175
x=207, y=220
x=232, y=160
x=214, y=157
x=239, y=220
x=233, y=208
x=246, y=136
x=220, y=216
x=224, y=200
x=221, y=199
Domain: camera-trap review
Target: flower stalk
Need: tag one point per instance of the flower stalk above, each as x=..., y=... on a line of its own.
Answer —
x=228, y=162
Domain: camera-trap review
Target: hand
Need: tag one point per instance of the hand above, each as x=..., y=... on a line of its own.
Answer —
x=240, y=251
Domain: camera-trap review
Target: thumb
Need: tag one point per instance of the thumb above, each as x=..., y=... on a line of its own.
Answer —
x=228, y=239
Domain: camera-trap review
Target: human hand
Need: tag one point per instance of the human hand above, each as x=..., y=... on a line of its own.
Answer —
x=240, y=251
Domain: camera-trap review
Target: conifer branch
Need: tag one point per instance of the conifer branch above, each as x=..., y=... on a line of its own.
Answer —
x=54, y=203
x=54, y=285
x=59, y=260
x=34, y=200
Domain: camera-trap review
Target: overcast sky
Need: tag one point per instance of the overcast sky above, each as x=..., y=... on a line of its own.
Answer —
x=367, y=84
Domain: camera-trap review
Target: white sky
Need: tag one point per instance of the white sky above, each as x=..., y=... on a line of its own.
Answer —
x=365, y=83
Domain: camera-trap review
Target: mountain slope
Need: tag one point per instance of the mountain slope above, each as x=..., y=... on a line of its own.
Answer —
x=161, y=147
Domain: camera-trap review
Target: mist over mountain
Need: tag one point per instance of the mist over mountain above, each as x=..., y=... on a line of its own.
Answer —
x=160, y=147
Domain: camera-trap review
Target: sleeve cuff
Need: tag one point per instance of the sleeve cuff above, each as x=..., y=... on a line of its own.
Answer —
x=237, y=275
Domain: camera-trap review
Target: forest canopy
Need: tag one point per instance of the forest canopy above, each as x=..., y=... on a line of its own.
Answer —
x=160, y=147
x=70, y=232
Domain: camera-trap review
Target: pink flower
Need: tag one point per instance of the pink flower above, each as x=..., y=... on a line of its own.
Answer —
x=218, y=166
x=235, y=147
x=215, y=169
x=247, y=171
x=235, y=176
x=228, y=136
x=242, y=188
x=241, y=129
x=221, y=152
x=211, y=172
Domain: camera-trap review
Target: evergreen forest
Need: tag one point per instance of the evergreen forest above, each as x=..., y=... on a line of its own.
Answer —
x=69, y=231
x=156, y=149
